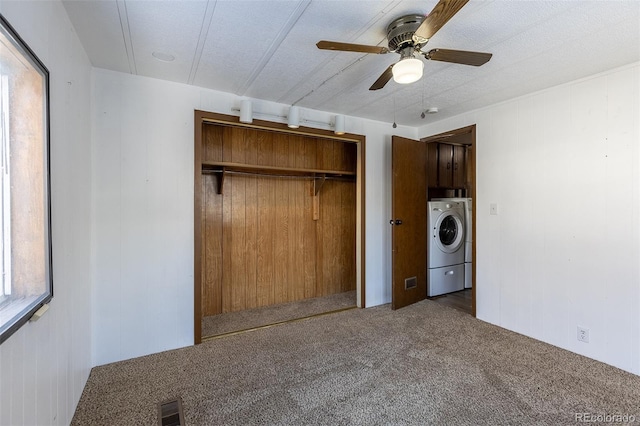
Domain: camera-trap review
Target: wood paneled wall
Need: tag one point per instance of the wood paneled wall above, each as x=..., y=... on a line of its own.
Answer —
x=260, y=243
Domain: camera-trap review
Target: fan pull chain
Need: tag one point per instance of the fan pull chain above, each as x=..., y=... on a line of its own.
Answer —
x=394, y=111
x=422, y=114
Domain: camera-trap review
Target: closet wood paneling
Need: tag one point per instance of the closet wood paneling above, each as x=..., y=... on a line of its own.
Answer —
x=261, y=244
x=212, y=248
x=266, y=225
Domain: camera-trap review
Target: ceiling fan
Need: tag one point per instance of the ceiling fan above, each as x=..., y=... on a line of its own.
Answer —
x=407, y=36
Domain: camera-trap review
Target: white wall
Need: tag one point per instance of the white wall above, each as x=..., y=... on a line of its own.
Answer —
x=143, y=140
x=564, y=250
x=44, y=365
x=378, y=211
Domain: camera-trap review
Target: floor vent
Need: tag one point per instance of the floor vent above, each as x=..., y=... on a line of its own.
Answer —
x=410, y=283
x=170, y=413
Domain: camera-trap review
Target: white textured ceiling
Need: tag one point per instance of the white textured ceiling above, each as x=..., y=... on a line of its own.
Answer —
x=266, y=49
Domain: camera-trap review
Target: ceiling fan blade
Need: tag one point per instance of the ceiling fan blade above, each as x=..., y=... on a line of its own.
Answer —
x=350, y=47
x=458, y=56
x=383, y=79
x=440, y=15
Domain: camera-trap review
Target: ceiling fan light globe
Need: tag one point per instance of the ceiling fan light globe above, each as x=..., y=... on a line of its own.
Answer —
x=408, y=70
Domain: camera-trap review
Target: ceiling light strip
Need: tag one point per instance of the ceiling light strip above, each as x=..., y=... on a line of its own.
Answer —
x=331, y=78
x=202, y=39
x=126, y=35
x=275, y=45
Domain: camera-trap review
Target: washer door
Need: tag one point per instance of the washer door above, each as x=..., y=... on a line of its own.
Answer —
x=449, y=232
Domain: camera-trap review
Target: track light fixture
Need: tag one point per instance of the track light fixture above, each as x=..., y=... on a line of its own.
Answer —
x=293, y=119
x=339, y=125
x=246, y=111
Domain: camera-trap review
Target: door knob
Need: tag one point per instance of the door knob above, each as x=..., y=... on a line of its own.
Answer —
x=395, y=222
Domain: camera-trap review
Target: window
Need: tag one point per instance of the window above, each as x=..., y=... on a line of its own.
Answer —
x=25, y=244
x=5, y=177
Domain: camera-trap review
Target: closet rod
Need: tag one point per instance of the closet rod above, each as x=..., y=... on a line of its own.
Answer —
x=320, y=176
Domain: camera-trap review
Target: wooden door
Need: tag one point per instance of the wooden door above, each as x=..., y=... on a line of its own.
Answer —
x=445, y=158
x=468, y=170
x=409, y=209
x=457, y=180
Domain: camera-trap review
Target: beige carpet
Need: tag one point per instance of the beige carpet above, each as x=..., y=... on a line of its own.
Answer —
x=424, y=364
x=258, y=317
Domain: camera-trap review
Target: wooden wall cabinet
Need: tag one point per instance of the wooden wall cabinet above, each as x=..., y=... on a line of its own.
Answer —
x=446, y=166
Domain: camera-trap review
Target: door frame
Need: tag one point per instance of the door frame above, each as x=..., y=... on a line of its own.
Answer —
x=201, y=118
x=465, y=136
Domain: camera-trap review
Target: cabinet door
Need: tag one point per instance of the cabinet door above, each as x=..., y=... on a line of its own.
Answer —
x=445, y=159
x=457, y=179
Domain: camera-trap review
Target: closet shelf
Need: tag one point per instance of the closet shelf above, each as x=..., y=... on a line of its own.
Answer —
x=221, y=168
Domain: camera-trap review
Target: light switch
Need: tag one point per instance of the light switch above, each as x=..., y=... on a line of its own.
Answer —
x=493, y=209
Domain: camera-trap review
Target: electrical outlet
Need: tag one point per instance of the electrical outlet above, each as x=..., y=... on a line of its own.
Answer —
x=583, y=334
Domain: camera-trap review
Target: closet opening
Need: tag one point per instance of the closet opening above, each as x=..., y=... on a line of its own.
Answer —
x=279, y=224
x=451, y=176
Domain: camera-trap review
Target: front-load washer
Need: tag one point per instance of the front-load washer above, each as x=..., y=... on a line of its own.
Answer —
x=446, y=233
x=468, y=237
x=445, y=258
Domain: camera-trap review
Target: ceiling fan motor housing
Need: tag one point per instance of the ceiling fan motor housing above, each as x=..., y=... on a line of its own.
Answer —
x=400, y=32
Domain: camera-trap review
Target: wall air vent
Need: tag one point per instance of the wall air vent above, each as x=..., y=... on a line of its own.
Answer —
x=410, y=283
